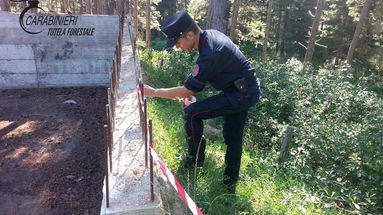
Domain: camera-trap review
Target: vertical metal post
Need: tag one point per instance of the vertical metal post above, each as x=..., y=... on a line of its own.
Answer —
x=114, y=91
x=118, y=60
x=111, y=116
x=142, y=90
x=109, y=135
x=151, y=161
x=106, y=164
x=111, y=103
x=145, y=134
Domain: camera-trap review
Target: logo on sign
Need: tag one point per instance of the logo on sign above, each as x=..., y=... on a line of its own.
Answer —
x=35, y=23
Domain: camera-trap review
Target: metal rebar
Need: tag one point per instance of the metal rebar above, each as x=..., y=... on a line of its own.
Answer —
x=111, y=102
x=109, y=135
x=142, y=90
x=111, y=117
x=114, y=71
x=114, y=91
x=106, y=165
x=145, y=134
x=118, y=63
x=151, y=161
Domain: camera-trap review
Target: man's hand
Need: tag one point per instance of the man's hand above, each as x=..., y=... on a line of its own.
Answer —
x=149, y=91
x=189, y=100
x=168, y=93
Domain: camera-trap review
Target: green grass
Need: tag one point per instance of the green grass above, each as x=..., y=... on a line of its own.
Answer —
x=335, y=158
x=264, y=188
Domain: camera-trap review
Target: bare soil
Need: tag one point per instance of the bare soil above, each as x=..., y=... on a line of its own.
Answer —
x=51, y=153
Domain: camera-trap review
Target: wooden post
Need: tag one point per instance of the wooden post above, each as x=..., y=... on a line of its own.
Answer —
x=267, y=31
x=135, y=16
x=287, y=136
x=314, y=31
x=147, y=23
x=234, y=19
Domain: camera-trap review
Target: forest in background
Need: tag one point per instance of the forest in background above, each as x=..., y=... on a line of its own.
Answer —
x=324, y=32
x=321, y=67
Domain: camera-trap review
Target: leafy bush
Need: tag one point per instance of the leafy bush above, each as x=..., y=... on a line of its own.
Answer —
x=336, y=151
x=338, y=138
x=166, y=68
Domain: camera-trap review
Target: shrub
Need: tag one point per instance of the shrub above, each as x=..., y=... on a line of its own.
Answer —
x=337, y=149
x=338, y=140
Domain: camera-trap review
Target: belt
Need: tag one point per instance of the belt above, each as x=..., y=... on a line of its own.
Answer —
x=251, y=80
x=242, y=84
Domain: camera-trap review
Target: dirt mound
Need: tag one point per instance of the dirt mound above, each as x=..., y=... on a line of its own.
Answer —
x=51, y=152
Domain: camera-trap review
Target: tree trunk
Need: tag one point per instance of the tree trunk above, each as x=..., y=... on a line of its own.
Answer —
x=147, y=23
x=96, y=8
x=278, y=24
x=314, y=32
x=120, y=7
x=4, y=5
x=128, y=7
x=135, y=16
x=88, y=7
x=359, y=26
x=109, y=7
x=73, y=10
x=81, y=7
x=218, y=15
x=234, y=19
x=268, y=24
x=345, y=21
x=103, y=7
x=64, y=6
x=282, y=31
x=339, y=51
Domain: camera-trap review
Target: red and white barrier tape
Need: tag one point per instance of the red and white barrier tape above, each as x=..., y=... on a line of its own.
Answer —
x=169, y=175
x=181, y=191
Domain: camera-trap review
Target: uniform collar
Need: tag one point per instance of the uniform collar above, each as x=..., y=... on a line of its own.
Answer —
x=202, y=40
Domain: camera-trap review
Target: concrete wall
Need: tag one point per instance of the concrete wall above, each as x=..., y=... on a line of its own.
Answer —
x=42, y=60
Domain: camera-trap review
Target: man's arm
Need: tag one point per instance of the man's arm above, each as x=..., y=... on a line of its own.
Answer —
x=168, y=93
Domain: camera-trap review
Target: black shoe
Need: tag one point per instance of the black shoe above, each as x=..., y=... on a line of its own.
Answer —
x=191, y=162
x=230, y=186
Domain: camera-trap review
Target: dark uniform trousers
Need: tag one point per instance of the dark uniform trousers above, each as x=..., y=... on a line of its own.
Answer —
x=233, y=107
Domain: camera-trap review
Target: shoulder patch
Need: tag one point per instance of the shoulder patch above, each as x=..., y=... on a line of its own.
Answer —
x=195, y=70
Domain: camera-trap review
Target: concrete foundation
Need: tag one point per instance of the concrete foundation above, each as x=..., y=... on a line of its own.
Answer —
x=129, y=184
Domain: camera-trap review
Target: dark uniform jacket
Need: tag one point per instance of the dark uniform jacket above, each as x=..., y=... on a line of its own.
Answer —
x=220, y=63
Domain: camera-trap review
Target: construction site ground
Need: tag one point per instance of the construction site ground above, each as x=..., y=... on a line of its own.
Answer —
x=51, y=151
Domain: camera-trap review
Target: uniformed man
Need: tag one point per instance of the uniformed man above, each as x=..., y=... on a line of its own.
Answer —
x=222, y=65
